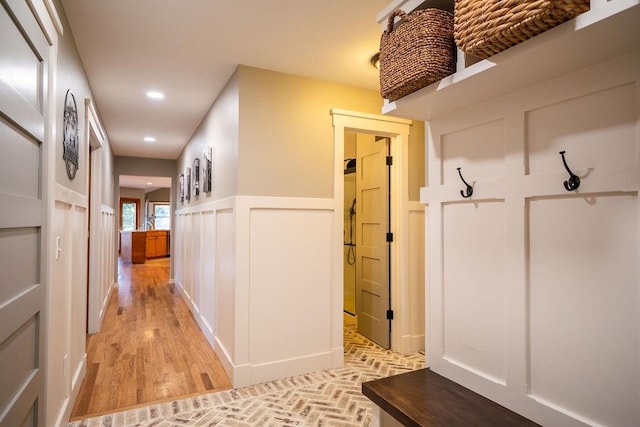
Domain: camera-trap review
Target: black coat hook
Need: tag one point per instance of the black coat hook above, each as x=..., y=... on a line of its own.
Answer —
x=468, y=192
x=574, y=180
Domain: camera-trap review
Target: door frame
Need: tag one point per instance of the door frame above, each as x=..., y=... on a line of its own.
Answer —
x=397, y=130
x=95, y=135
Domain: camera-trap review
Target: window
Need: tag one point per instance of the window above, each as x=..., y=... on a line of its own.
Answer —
x=129, y=214
x=162, y=217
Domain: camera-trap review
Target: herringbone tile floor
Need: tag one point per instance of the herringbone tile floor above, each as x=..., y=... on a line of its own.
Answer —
x=327, y=398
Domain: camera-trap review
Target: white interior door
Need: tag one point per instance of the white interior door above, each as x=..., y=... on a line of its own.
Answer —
x=372, y=219
x=23, y=76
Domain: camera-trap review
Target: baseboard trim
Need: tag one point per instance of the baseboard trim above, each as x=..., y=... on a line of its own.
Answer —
x=337, y=357
x=239, y=375
x=411, y=344
x=290, y=367
x=76, y=382
x=64, y=414
x=105, y=304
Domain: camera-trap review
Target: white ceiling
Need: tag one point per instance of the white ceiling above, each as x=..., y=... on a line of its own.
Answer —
x=188, y=49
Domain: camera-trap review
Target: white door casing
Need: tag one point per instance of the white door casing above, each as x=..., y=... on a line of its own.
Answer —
x=398, y=131
x=95, y=136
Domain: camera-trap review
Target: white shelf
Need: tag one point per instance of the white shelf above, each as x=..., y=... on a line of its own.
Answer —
x=607, y=31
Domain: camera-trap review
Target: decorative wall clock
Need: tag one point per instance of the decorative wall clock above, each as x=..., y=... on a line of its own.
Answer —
x=70, y=135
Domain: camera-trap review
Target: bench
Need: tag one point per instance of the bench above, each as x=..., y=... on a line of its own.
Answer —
x=424, y=398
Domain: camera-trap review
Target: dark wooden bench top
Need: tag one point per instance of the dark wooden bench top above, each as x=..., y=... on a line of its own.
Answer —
x=424, y=398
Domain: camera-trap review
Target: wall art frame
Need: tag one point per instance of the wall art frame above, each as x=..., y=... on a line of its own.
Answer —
x=187, y=184
x=207, y=157
x=196, y=177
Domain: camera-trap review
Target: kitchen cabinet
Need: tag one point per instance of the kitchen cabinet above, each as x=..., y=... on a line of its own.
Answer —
x=133, y=245
x=138, y=246
x=156, y=243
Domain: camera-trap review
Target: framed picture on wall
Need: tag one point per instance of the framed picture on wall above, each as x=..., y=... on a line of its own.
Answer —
x=187, y=184
x=206, y=170
x=196, y=177
x=181, y=188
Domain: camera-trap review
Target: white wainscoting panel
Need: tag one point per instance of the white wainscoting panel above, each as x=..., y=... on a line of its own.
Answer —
x=478, y=151
x=196, y=260
x=257, y=274
x=473, y=253
x=78, y=283
x=225, y=292
x=67, y=300
x=208, y=272
x=177, y=238
x=107, y=256
x=190, y=266
x=59, y=303
x=204, y=252
x=534, y=290
x=416, y=285
x=289, y=292
x=583, y=306
x=579, y=126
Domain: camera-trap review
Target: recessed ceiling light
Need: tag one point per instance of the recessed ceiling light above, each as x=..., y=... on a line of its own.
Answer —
x=155, y=94
x=149, y=139
x=149, y=183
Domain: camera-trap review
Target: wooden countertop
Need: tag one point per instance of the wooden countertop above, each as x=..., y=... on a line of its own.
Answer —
x=424, y=398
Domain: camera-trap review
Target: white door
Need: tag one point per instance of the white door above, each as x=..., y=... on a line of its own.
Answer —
x=372, y=219
x=23, y=77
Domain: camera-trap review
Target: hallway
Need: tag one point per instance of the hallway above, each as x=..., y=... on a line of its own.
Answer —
x=150, y=348
x=151, y=365
x=327, y=398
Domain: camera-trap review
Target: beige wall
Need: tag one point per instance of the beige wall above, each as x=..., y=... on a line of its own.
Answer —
x=66, y=307
x=219, y=130
x=71, y=75
x=272, y=135
x=159, y=195
x=286, y=132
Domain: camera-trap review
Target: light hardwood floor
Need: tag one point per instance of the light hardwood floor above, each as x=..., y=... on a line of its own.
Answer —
x=150, y=348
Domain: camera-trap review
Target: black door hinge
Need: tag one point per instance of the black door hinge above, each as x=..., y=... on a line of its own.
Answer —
x=389, y=237
x=389, y=161
x=390, y=314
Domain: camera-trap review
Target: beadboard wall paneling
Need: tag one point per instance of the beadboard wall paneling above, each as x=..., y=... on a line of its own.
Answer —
x=533, y=289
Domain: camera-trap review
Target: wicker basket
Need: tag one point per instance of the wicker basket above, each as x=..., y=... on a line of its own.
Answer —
x=418, y=52
x=486, y=27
